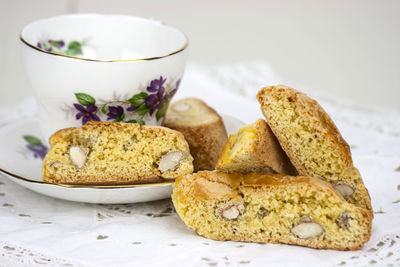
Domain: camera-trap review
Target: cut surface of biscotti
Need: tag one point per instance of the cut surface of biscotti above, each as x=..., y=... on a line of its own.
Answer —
x=274, y=208
x=202, y=127
x=116, y=153
x=312, y=141
x=254, y=148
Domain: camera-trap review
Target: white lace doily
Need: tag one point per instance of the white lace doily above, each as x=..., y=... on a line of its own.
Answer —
x=36, y=230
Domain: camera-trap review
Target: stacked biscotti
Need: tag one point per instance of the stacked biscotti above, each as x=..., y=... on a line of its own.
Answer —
x=246, y=199
x=312, y=141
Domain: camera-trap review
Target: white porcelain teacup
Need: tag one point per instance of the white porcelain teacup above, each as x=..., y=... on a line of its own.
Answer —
x=87, y=67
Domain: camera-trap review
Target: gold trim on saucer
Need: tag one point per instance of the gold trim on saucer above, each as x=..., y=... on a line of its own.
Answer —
x=83, y=186
x=185, y=45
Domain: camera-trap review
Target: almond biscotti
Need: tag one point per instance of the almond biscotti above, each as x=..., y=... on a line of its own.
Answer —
x=312, y=141
x=116, y=153
x=263, y=207
x=202, y=127
x=254, y=148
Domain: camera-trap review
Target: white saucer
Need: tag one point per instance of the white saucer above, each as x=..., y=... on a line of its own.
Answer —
x=17, y=163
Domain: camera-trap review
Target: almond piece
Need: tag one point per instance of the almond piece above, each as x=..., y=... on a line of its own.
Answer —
x=307, y=230
x=77, y=156
x=181, y=107
x=262, y=212
x=170, y=161
x=344, y=189
x=343, y=220
x=55, y=164
x=231, y=211
x=305, y=219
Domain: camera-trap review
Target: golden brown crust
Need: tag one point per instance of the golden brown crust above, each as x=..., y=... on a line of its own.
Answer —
x=108, y=157
x=314, y=112
x=206, y=140
x=317, y=123
x=93, y=125
x=266, y=149
x=265, y=180
x=254, y=148
x=192, y=193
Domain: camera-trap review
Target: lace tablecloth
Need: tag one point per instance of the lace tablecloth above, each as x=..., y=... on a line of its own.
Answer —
x=36, y=230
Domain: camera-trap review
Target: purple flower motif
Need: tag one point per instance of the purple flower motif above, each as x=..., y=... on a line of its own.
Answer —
x=44, y=46
x=39, y=151
x=58, y=44
x=155, y=101
x=87, y=114
x=156, y=85
x=115, y=113
x=132, y=108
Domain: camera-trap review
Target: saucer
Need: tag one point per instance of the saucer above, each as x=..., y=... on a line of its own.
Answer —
x=21, y=162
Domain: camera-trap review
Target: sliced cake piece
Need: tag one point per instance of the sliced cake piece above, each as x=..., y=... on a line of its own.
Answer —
x=264, y=207
x=254, y=148
x=116, y=153
x=312, y=141
x=202, y=127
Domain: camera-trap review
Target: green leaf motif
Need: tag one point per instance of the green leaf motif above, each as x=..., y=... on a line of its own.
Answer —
x=119, y=118
x=74, y=49
x=44, y=45
x=85, y=99
x=31, y=140
x=143, y=110
x=160, y=113
x=104, y=109
x=141, y=122
x=138, y=99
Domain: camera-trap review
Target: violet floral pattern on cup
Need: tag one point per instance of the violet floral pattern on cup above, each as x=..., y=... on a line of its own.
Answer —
x=73, y=48
x=35, y=146
x=153, y=102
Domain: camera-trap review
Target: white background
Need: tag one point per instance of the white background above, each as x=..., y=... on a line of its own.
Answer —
x=348, y=48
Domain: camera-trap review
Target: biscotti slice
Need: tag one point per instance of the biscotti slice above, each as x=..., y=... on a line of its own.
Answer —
x=254, y=148
x=116, y=153
x=202, y=127
x=274, y=208
x=312, y=141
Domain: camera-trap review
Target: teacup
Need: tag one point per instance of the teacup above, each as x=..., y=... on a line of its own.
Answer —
x=91, y=67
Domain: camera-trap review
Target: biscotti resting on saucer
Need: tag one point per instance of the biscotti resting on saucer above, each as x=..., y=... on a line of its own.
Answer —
x=202, y=127
x=312, y=141
x=254, y=148
x=116, y=153
x=263, y=207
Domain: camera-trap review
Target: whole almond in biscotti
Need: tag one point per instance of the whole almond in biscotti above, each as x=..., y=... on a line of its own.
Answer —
x=312, y=141
x=273, y=208
x=202, y=127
